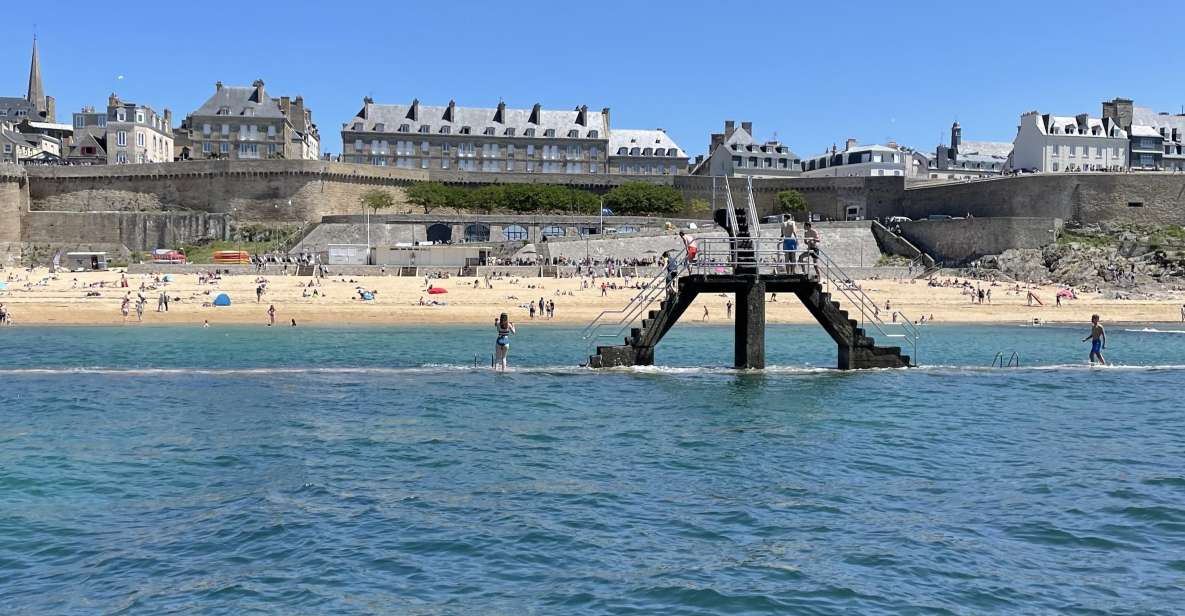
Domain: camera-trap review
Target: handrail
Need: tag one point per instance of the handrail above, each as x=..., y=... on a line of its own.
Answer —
x=1013, y=361
x=751, y=209
x=730, y=208
x=654, y=289
x=869, y=312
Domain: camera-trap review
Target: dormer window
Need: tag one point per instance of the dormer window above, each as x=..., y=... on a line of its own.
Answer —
x=379, y=127
x=465, y=130
x=224, y=111
x=647, y=151
x=444, y=130
x=509, y=132
x=357, y=126
x=489, y=130
x=530, y=132
x=621, y=151
x=634, y=151
x=592, y=134
x=405, y=128
x=549, y=132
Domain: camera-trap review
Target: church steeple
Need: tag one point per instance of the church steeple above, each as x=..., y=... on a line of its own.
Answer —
x=36, y=94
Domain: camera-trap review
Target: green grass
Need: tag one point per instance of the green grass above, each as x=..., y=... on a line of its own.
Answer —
x=204, y=253
x=1088, y=240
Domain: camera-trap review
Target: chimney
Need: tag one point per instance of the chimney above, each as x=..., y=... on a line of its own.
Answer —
x=748, y=127
x=605, y=112
x=450, y=112
x=849, y=144
x=582, y=115
x=413, y=112
x=285, y=106
x=729, y=126
x=500, y=114
x=717, y=141
x=535, y=109
x=113, y=100
x=259, y=93
x=51, y=109
x=168, y=118
x=217, y=86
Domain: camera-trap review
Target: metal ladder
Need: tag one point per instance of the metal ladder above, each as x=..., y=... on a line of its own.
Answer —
x=1013, y=362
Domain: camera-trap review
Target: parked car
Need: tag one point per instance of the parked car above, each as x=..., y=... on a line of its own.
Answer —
x=939, y=217
x=896, y=219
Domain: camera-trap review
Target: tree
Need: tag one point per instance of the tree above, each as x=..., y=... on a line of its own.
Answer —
x=643, y=198
x=791, y=202
x=699, y=207
x=376, y=199
x=431, y=195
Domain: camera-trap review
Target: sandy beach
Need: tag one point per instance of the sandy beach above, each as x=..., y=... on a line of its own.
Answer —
x=40, y=298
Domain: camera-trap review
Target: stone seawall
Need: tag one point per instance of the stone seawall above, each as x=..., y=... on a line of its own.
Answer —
x=14, y=200
x=956, y=242
x=135, y=230
x=1149, y=198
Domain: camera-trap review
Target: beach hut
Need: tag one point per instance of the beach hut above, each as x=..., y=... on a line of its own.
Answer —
x=222, y=300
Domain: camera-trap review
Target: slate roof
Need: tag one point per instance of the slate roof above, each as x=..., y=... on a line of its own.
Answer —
x=1144, y=116
x=989, y=149
x=478, y=119
x=241, y=101
x=642, y=139
x=11, y=104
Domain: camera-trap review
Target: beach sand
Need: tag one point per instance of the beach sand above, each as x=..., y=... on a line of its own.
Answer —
x=37, y=298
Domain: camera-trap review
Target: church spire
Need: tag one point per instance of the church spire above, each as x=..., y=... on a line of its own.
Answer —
x=36, y=94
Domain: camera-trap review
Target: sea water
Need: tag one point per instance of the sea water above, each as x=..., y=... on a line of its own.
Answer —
x=240, y=470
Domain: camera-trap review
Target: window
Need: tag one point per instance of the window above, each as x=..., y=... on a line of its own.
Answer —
x=79, y=121
x=423, y=163
x=424, y=128
x=1135, y=204
x=139, y=117
x=510, y=150
x=444, y=163
x=226, y=129
x=248, y=150
x=530, y=132
x=509, y=132
x=224, y=147
x=549, y=132
x=488, y=131
x=573, y=134
x=552, y=231
x=206, y=147
x=140, y=139
x=530, y=166
x=121, y=115
x=404, y=128
x=510, y=165
x=271, y=130
x=465, y=130
x=102, y=120
x=121, y=138
x=530, y=148
x=514, y=233
x=272, y=148
x=593, y=152
x=424, y=147
x=357, y=145
x=592, y=134
x=737, y=161
x=621, y=168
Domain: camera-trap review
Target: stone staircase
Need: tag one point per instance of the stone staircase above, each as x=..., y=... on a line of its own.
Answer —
x=856, y=347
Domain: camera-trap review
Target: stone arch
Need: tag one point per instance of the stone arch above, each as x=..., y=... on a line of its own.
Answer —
x=440, y=233
x=477, y=232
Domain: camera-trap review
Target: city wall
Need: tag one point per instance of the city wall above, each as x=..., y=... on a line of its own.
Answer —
x=1148, y=198
x=136, y=230
x=956, y=242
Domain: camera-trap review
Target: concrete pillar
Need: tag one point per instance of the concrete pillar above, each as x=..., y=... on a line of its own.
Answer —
x=749, y=340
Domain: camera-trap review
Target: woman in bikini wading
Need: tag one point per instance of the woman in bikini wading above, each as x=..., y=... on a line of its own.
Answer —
x=502, y=345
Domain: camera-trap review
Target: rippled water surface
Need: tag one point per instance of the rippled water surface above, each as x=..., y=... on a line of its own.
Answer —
x=375, y=471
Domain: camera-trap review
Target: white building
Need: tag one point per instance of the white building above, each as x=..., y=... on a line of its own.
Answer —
x=645, y=152
x=1048, y=143
x=736, y=152
x=862, y=160
x=130, y=133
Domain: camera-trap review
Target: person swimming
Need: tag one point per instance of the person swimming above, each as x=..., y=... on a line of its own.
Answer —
x=502, y=345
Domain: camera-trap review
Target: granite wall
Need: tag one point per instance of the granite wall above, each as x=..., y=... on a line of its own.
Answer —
x=956, y=242
x=138, y=231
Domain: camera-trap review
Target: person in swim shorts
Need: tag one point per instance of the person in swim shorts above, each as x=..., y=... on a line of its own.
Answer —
x=790, y=242
x=1098, y=340
x=502, y=344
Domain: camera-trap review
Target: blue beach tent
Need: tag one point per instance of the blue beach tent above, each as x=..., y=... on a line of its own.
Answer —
x=222, y=300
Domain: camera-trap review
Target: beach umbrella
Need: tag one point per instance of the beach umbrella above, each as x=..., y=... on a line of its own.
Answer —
x=1065, y=293
x=222, y=300
x=168, y=278
x=436, y=291
x=3, y=285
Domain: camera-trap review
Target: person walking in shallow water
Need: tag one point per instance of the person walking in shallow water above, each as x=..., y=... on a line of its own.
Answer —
x=505, y=330
x=1098, y=340
x=271, y=315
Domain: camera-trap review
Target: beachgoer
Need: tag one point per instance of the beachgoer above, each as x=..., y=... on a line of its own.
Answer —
x=258, y=293
x=505, y=330
x=672, y=271
x=271, y=315
x=124, y=307
x=205, y=323
x=790, y=242
x=532, y=309
x=140, y=311
x=1183, y=313
x=689, y=246
x=812, y=247
x=293, y=322
x=705, y=318
x=728, y=309
x=4, y=314
x=1098, y=340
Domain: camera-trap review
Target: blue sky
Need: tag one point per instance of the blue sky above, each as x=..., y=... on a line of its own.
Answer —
x=813, y=73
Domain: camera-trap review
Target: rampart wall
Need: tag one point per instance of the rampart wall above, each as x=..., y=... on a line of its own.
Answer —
x=1150, y=198
x=955, y=242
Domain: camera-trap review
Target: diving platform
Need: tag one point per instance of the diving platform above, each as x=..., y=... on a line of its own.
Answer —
x=747, y=266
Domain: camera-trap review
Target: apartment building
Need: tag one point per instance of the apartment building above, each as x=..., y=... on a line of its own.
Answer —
x=645, y=152
x=246, y=123
x=124, y=133
x=1156, y=139
x=864, y=160
x=1047, y=144
x=736, y=152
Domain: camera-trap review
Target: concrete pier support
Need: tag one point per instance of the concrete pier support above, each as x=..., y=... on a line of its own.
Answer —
x=749, y=342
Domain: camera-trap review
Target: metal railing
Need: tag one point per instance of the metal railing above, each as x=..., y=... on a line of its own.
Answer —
x=751, y=210
x=1013, y=361
x=622, y=319
x=831, y=273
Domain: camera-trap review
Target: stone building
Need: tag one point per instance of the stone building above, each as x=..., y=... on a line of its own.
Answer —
x=967, y=160
x=491, y=140
x=1156, y=140
x=856, y=160
x=124, y=133
x=1047, y=143
x=35, y=105
x=645, y=152
x=246, y=123
x=736, y=152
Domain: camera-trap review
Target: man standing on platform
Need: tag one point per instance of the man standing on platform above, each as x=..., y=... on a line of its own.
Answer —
x=811, y=236
x=790, y=242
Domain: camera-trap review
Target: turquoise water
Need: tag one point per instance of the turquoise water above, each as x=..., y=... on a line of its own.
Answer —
x=373, y=471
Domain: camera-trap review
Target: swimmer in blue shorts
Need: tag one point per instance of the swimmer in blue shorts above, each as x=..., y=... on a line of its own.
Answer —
x=1098, y=340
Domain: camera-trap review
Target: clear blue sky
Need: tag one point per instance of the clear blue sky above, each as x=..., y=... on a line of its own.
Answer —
x=814, y=73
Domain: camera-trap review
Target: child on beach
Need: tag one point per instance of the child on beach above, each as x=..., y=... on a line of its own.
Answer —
x=1098, y=338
